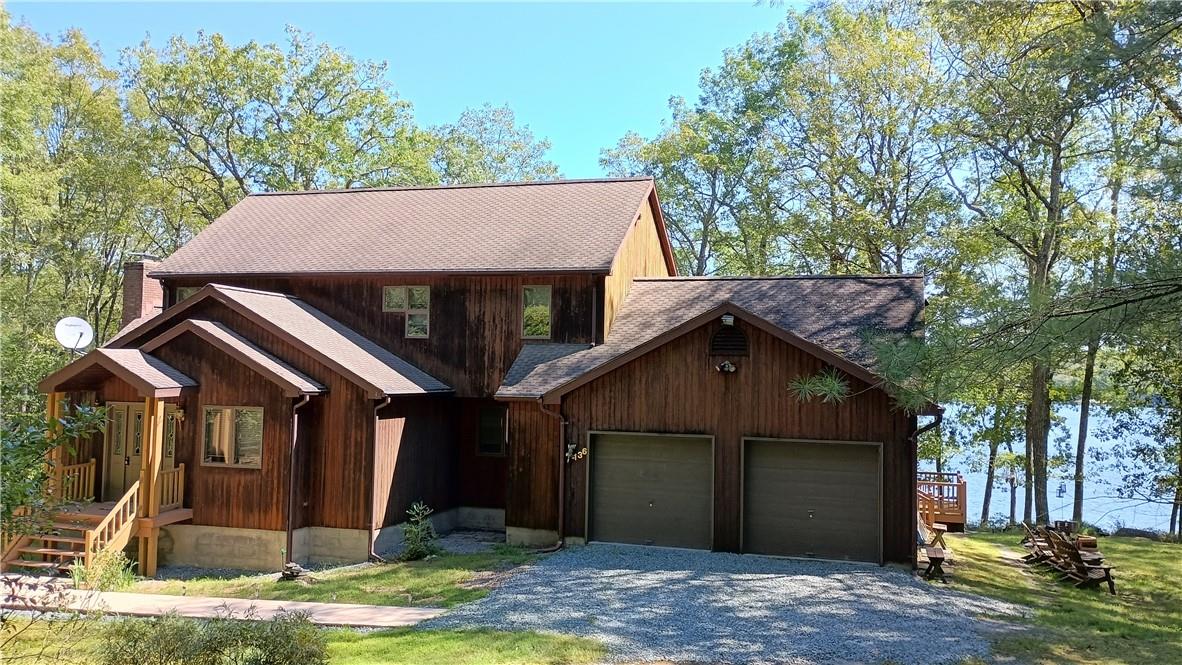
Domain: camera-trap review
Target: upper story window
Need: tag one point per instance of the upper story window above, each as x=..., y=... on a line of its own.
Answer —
x=415, y=302
x=234, y=436
x=183, y=292
x=535, y=315
x=494, y=430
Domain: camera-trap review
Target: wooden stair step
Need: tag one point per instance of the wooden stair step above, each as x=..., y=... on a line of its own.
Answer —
x=69, y=516
x=50, y=551
x=72, y=526
x=23, y=563
x=59, y=539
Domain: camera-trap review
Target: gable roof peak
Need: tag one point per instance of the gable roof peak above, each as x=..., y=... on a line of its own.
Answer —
x=471, y=185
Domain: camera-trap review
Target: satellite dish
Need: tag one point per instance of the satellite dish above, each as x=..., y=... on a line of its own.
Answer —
x=73, y=333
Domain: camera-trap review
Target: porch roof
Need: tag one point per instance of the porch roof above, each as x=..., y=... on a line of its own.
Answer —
x=149, y=375
x=290, y=379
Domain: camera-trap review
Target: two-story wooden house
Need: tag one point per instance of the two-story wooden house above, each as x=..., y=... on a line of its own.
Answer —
x=520, y=357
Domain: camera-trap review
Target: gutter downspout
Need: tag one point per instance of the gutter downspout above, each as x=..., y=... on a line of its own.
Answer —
x=373, y=556
x=562, y=423
x=914, y=440
x=291, y=479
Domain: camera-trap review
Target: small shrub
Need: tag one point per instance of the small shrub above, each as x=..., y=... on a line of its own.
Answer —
x=109, y=570
x=287, y=639
x=418, y=534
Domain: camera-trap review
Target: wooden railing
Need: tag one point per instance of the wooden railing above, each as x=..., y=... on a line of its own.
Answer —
x=944, y=494
x=927, y=508
x=172, y=488
x=76, y=481
x=117, y=527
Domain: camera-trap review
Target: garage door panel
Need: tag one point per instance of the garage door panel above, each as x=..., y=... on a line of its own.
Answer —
x=651, y=490
x=811, y=499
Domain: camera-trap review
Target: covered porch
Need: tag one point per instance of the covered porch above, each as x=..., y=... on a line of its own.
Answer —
x=121, y=484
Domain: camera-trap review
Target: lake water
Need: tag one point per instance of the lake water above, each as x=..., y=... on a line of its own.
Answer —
x=1101, y=503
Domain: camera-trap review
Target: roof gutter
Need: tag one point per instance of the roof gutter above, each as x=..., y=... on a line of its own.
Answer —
x=291, y=476
x=562, y=423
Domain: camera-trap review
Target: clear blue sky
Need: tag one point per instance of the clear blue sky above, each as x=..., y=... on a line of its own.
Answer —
x=581, y=75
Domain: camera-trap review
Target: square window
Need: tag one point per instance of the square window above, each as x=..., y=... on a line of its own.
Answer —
x=494, y=430
x=419, y=297
x=394, y=299
x=418, y=325
x=234, y=436
x=535, y=315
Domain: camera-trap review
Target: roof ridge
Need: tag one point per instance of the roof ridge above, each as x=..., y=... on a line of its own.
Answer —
x=411, y=188
x=753, y=278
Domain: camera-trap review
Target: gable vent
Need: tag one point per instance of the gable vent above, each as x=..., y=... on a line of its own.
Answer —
x=728, y=341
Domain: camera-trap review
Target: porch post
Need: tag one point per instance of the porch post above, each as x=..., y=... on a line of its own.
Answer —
x=149, y=480
x=54, y=458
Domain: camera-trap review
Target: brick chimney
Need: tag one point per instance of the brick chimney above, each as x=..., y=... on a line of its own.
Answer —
x=142, y=295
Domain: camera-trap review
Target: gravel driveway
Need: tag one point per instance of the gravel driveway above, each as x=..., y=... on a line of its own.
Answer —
x=651, y=604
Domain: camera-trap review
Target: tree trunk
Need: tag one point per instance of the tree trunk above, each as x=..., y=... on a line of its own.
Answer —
x=1085, y=405
x=1038, y=421
x=989, y=473
x=1027, y=483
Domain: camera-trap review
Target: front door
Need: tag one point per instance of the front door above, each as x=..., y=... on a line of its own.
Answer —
x=124, y=447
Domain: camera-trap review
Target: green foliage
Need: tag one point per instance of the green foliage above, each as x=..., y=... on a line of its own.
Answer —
x=287, y=639
x=536, y=321
x=486, y=145
x=829, y=385
x=26, y=439
x=418, y=533
x=108, y=570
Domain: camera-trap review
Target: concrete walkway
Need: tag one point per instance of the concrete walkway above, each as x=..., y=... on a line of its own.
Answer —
x=39, y=593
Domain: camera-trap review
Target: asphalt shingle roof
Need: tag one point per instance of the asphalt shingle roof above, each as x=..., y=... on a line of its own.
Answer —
x=572, y=225
x=834, y=312
x=231, y=339
x=149, y=368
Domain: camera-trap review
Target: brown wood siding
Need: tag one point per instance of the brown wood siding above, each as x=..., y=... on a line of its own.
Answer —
x=415, y=458
x=482, y=480
x=227, y=496
x=339, y=427
x=475, y=320
x=534, y=455
x=640, y=255
x=676, y=389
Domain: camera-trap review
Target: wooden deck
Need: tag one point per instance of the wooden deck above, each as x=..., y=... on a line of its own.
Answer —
x=942, y=498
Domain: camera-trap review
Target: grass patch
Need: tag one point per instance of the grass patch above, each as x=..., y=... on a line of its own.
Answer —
x=77, y=643
x=1142, y=624
x=442, y=581
x=455, y=647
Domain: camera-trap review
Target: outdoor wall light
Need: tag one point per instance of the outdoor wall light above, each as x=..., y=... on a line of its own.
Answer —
x=726, y=367
x=728, y=319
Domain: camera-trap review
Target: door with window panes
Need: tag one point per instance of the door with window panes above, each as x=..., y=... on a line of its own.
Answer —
x=124, y=445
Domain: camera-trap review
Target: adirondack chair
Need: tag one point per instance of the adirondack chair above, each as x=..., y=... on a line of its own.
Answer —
x=1040, y=550
x=1086, y=574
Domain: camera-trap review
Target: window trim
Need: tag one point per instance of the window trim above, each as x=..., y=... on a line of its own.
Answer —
x=262, y=438
x=407, y=310
x=549, y=307
x=177, y=297
x=504, y=451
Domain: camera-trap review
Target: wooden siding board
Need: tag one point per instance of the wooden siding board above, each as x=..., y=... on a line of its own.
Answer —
x=475, y=320
x=640, y=255
x=228, y=496
x=415, y=457
x=534, y=456
x=676, y=389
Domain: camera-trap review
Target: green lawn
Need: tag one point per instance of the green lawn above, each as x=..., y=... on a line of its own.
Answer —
x=441, y=581
x=77, y=643
x=1141, y=625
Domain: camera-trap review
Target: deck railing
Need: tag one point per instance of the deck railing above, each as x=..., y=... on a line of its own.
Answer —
x=75, y=482
x=944, y=494
x=117, y=527
x=172, y=488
